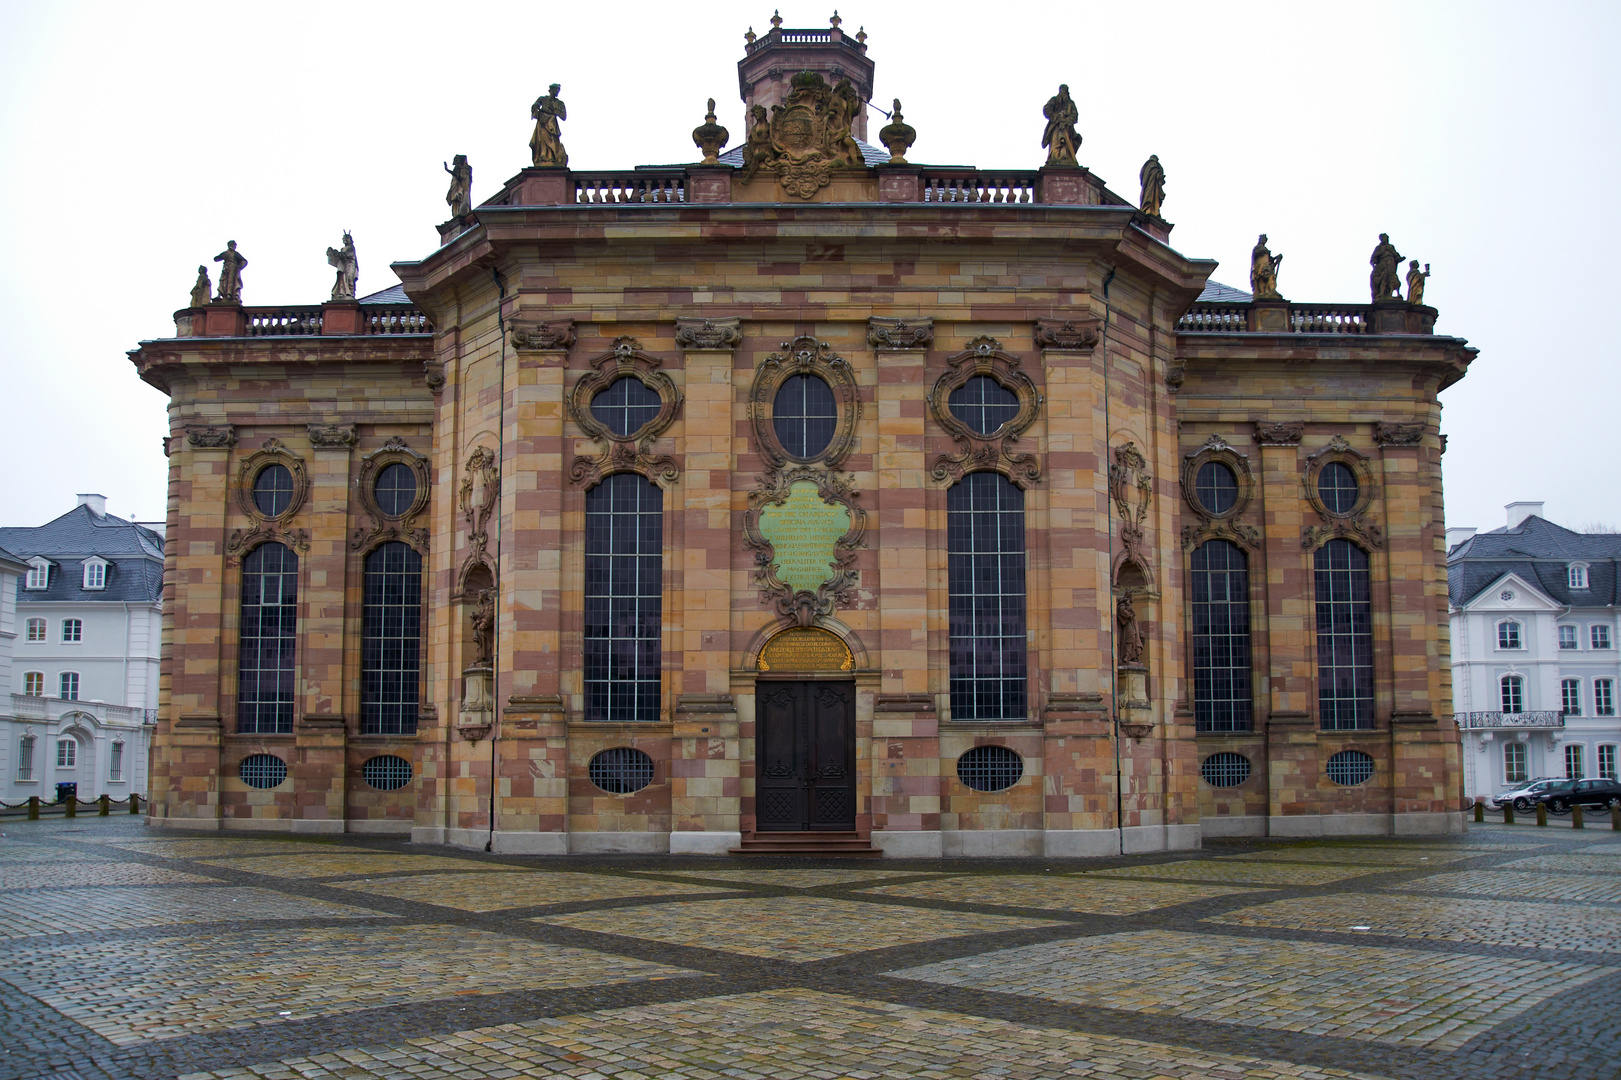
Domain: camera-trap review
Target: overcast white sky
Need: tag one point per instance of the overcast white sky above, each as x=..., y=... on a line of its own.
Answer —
x=138, y=138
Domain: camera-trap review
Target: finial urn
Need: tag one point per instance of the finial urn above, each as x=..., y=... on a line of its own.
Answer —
x=776, y=20
x=897, y=136
x=710, y=137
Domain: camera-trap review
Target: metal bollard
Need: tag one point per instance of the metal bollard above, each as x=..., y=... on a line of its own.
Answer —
x=33, y=808
x=134, y=803
x=1576, y=821
x=106, y=801
x=72, y=805
x=1508, y=813
x=1615, y=818
x=1542, y=813
x=1480, y=813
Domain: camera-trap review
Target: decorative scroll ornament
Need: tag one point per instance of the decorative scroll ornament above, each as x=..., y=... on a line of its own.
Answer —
x=1268, y=433
x=1224, y=526
x=1356, y=524
x=543, y=336
x=631, y=452
x=433, y=373
x=807, y=138
x=211, y=436
x=334, y=436
x=980, y=451
x=1398, y=434
x=1132, y=489
x=804, y=564
x=804, y=356
x=383, y=527
x=1073, y=335
x=480, y=488
x=267, y=527
x=709, y=333
x=900, y=333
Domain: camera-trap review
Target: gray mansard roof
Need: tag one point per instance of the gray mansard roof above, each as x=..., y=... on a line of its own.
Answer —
x=1540, y=553
x=134, y=556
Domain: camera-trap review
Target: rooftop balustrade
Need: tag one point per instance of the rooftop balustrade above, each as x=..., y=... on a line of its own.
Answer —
x=1281, y=316
x=310, y=320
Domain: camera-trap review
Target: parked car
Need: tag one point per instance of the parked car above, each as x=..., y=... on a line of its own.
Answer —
x=1589, y=794
x=1524, y=796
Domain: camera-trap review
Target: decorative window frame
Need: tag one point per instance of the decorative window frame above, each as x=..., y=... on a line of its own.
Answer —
x=1603, y=697
x=99, y=565
x=265, y=527
x=804, y=355
x=1570, y=691
x=30, y=627
x=25, y=758
x=1225, y=526
x=994, y=452
x=1576, y=576
x=1524, y=765
x=39, y=573
x=387, y=527
x=36, y=680
x=78, y=681
x=77, y=630
x=115, y=762
x=625, y=453
x=1597, y=631
x=1502, y=686
x=1519, y=635
x=1355, y=524
x=1575, y=637
x=805, y=608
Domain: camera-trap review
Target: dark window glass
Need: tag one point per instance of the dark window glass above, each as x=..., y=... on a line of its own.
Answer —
x=266, y=677
x=983, y=404
x=1216, y=487
x=626, y=406
x=621, y=770
x=985, y=560
x=1344, y=637
x=1219, y=591
x=804, y=415
x=990, y=768
x=396, y=489
x=1336, y=486
x=386, y=772
x=1225, y=769
x=273, y=490
x=1349, y=768
x=624, y=584
x=262, y=770
x=391, y=641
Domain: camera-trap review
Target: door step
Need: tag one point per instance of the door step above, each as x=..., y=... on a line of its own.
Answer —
x=839, y=845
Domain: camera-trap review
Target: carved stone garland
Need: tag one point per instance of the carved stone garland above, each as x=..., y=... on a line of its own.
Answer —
x=631, y=452
x=1132, y=490
x=985, y=356
x=385, y=528
x=1218, y=526
x=804, y=356
x=1355, y=524
x=804, y=606
x=266, y=528
x=483, y=474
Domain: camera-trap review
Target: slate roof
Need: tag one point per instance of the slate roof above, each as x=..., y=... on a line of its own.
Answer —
x=1539, y=553
x=394, y=294
x=1217, y=293
x=133, y=552
x=870, y=155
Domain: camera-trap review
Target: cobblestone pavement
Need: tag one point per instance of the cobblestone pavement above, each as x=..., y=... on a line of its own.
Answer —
x=131, y=952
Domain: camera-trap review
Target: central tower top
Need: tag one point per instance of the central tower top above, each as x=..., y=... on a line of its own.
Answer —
x=769, y=64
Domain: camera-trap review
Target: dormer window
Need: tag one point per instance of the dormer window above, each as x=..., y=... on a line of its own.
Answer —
x=39, y=574
x=1508, y=635
x=1578, y=575
x=95, y=573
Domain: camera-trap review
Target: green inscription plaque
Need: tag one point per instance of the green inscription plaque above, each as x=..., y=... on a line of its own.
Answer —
x=803, y=531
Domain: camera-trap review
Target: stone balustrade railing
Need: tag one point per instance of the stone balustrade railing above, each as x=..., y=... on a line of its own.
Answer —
x=1331, y=318
x=630, y=187
x=281, y=322
x=971, y=186
x=317, y=319
x=1283, y=317
x=1220, y=318
x=35, y=707
x=1484, y=720
x=393, y=319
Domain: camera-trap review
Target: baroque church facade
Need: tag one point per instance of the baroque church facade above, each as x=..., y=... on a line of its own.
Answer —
x=807, y=499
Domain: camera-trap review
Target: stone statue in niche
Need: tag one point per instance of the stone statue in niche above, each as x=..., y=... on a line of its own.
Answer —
x=484, y=629
x=348, y=265
x=460, y=195
x=1061, y=140
x=200, y=291
x=1130, y=632
x=1385, y=281
x=897, y=136
x=546, y=144
x=1264, y=271
x=231, y=264
x=1152, y=176
x=709, y=137
x=1415, y=282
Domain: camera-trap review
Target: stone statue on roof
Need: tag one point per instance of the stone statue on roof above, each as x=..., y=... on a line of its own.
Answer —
x=1153, y=180
x=757, y=150
x=460, y=195
x=1264, y=271
x=348, y=265
x=1061, y=139
x=231, y=264
x=843, y=106
x=200, y=291
x=1415, y=282
x=546, y=144
x=1385, y=281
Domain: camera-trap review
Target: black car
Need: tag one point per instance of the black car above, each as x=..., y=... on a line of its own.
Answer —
x=1594, y=794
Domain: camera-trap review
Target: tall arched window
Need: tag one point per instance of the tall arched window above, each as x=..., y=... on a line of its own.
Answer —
x=624, y=598
x=391, y=640
x=985, y=580
x=266, y=678
x=1219, y=591
x=1344, y=637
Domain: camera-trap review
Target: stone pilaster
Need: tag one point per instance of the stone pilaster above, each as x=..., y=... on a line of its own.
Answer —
x=318, y=774
x=324, y=580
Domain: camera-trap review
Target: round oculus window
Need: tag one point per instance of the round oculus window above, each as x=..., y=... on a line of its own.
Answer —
x=626, y=406
x=621, y=770
x=273, y=490
x=1337, y=487
x=1216, y=488
x=1349, y=768
x=804, y=416
x=262, y=770
x=385, y=772
x=1225, y=769
x=396, y=489
x=990, y=768
x=983, y=404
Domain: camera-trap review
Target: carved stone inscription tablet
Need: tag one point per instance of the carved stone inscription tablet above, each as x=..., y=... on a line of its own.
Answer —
x=806, y=649
x=803, y=531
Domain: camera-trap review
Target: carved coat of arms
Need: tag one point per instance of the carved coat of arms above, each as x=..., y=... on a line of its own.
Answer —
x=807, y=137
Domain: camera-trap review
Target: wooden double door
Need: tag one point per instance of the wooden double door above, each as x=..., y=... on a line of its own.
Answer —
x=805, y=756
